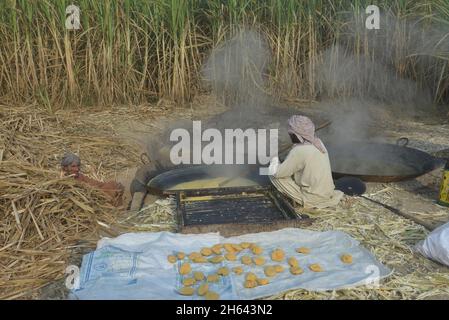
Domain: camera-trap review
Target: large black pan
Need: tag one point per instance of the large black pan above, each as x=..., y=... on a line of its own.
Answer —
x=352, y=186
x=164, y=182
x=371, y=162
x=380, y=162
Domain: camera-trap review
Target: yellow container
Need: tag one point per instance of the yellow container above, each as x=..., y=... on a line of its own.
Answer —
x=444, y=189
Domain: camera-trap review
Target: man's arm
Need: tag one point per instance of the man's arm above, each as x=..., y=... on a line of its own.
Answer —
x=294, y=162
x=89, y=181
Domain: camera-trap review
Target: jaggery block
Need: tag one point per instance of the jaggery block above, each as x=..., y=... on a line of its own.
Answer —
x=303, y=250
x=172, y=259
x=259, y=261
x=256, y=250
x=296, y=270
x=223, y=271
x=229, y=248
x=230, y=257
x=202, y=289
x=216, y=259
x=237, y=247
x=194, y=255
x=293, y=262
x=269, y=271
x=186, y=291
x=188, y=282
x=198, y=275
x=185, y=268
x=181, y=255
x=250, y=284
x=217, y=249
x=346, y=258
x=262, y=281
x=316, y=267
x=210, y=295
x=250, y=276
x=278, y=268
x=200, y=259
x=245, y=245
x=246, y=260
x=237, y=270
x=206, y=252
x=213, y=278
x=277, y=255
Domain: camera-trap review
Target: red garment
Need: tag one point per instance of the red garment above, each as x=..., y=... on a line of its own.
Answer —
x=111, y=188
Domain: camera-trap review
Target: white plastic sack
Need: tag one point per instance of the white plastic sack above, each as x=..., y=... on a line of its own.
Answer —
x=436, y=245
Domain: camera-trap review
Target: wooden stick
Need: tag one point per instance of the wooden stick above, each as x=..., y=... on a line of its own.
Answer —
x=16, y=215
x=36, y=225
x=403, y=214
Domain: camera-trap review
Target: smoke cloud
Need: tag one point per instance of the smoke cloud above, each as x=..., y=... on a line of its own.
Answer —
x=236, y=74
x=236, y=71
x=362, y=78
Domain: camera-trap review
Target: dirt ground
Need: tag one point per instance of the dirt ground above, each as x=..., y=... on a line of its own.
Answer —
x=388, y=236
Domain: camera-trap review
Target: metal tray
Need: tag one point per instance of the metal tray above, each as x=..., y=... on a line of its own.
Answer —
x=235, y=211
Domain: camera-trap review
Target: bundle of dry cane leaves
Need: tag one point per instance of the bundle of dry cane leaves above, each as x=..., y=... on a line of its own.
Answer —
x=42, y=216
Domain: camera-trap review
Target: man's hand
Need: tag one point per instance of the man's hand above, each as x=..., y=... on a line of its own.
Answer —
x=273, y=168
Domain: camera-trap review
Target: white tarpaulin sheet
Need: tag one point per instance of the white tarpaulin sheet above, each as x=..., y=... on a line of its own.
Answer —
x=135, y=266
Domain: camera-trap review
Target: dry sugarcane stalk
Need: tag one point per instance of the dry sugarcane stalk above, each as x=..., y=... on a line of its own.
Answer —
x=42, y=217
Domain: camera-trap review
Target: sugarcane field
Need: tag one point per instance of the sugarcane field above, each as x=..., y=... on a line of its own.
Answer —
x=224, y=150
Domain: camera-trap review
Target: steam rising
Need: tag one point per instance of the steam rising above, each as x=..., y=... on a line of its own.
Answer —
x=236, y=71
x=236, y=74
x=361, y=79
x=360, y=89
